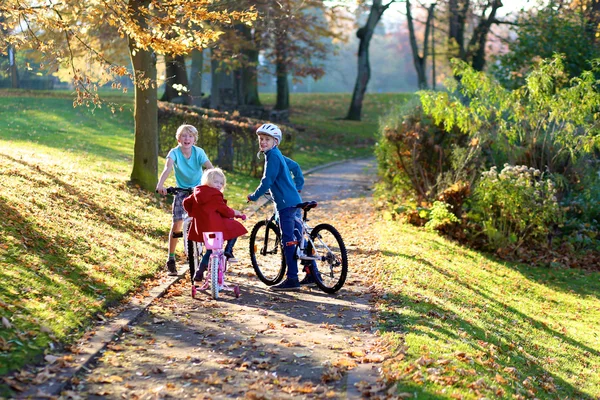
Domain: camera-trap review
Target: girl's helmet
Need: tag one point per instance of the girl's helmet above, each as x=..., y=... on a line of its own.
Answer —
x=270, y=130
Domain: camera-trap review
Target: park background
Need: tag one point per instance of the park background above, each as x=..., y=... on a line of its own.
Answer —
x=82, y=231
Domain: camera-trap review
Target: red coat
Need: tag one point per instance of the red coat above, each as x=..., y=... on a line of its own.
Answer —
x=210, y=213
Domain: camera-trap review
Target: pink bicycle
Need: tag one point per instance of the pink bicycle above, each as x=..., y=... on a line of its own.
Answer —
x=217, y=267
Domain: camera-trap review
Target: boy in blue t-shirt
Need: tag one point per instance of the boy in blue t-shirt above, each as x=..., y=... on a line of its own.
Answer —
x=278, y=180
x=187, y=160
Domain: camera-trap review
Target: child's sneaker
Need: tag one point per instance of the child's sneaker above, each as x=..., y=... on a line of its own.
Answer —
x=287, y=286
x=171, y=267
x=307, y=281
x=230, y=258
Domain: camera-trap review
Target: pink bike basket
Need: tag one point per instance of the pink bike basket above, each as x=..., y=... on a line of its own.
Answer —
x=213, y=240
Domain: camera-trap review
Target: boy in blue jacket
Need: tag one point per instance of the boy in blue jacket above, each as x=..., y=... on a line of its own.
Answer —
x=278, y=179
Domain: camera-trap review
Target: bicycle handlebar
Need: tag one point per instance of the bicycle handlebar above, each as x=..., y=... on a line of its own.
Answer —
x=175, y=190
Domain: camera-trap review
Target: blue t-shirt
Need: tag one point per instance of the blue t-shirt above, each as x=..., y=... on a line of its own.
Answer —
x=188, y=171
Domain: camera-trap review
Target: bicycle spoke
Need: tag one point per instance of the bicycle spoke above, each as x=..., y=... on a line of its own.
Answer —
x=332, y=264
x=265, y=253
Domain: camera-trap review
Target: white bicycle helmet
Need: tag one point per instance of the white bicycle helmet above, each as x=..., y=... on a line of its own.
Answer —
x=270, y=130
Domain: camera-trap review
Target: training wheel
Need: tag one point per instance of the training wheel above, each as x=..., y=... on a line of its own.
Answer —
x=194, y=291
x=236, y=291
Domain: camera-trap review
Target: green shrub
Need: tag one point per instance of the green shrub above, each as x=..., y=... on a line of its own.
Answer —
x=419, y=160
x=550, y=123
x=440, y=217
x=514, y=206
x=582, y=226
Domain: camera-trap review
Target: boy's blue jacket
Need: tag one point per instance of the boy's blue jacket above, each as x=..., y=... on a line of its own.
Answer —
x=278, y=179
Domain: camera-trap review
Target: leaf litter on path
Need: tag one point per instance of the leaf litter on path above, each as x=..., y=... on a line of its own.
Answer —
x=261, y=345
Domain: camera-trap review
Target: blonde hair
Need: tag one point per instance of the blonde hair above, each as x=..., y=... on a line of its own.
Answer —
x=208, y=177
x=191, y=129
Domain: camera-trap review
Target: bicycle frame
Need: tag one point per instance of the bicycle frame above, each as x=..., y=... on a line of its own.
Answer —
x=217, y=267
x=305, y=236
x=320, y=248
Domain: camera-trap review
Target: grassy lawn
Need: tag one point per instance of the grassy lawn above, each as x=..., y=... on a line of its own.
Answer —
x=462, y=325
x=76, y=238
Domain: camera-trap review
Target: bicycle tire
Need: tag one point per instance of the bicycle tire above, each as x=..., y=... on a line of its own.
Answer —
x=266, y=253
x=194, y=257
x=332, y=265
x=214, y=277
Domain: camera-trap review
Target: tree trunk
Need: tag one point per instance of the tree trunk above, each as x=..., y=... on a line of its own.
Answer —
x=283, y=88
x=476, y=49
x=281, y=73
x=14, y=72
x=364, y=34
x=419, y=61
x=457, y=21
x=176, y=75
x=145, y=151
x=249, y=74
x=196, y=77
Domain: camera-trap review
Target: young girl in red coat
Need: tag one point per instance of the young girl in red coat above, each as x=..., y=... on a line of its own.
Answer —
x=210, y=213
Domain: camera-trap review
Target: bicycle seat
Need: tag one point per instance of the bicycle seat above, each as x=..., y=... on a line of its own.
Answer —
x=307, y=205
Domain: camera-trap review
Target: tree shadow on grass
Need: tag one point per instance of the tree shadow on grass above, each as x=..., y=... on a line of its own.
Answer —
x=564, y=280
x=42, y=265
x=79, y=202
x=434, y=317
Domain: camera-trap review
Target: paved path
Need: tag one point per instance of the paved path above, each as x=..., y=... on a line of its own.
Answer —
x=262, y=345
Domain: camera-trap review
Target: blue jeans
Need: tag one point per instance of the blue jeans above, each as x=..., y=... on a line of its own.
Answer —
x=290, y=234
x=228, y=249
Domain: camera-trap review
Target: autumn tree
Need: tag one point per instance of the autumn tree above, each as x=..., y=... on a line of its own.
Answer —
x=420, y=58
x=567, y=28
x=234, y=61
x=150, y=27
x=294, y=38
x=476, y=17
x=365, y=34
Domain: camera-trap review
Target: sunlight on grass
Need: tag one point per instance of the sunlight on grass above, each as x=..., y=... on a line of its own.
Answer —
x=75, y=239
x=467, y=325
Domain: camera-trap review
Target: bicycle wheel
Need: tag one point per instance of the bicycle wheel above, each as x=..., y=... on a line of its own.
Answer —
x=214, y=277
x=332, y=263
x=265, y=253
x=194, y=257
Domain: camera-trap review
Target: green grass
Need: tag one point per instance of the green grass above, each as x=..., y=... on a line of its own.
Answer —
x=464, y=325
x=75, y=237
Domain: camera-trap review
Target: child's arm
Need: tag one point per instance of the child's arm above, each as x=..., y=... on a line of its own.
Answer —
x=188, y=205
x=271, y=168
x=163, y=177
x=296, y=171
x=226, y=211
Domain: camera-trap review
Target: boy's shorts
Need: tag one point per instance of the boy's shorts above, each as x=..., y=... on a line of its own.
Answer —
x=178, y=209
